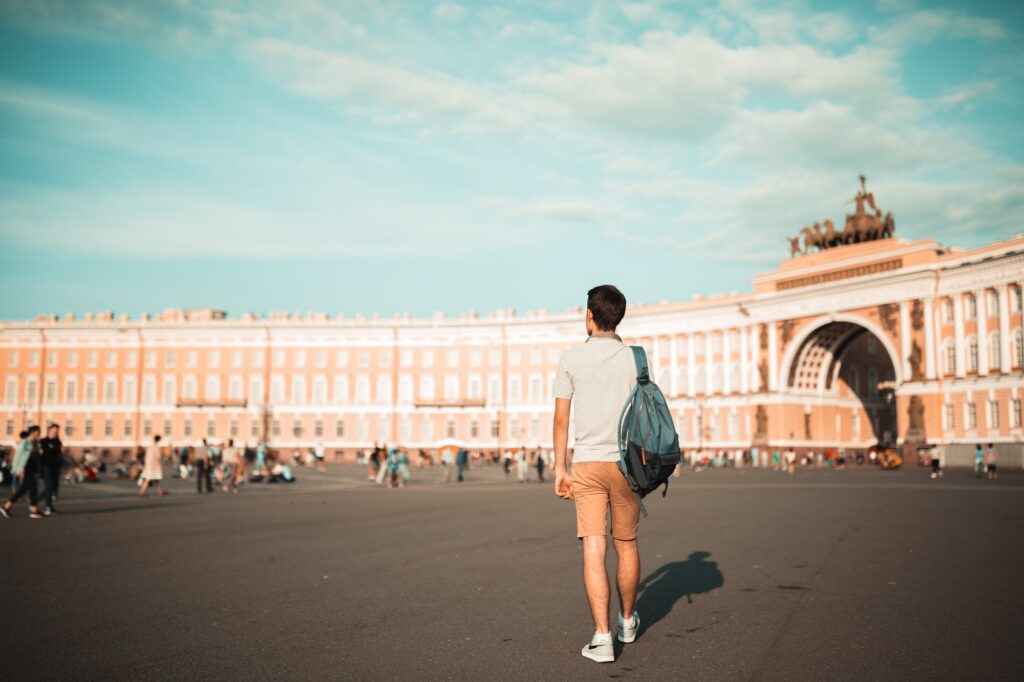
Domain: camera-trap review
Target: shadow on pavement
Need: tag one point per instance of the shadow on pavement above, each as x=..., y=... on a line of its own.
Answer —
x=660, y=590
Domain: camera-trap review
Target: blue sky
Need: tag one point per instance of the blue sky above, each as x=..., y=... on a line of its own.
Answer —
x=420, y=157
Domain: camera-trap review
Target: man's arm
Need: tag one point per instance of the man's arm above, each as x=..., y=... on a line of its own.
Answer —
x=563, y=481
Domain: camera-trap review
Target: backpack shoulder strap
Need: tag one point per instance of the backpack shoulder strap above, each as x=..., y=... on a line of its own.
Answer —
x=640, y=359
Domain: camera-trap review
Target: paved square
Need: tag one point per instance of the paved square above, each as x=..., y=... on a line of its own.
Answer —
x=862, y=574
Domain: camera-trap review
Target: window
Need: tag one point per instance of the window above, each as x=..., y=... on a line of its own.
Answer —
x=278, y=359
x=11, y=391
x=110, y=390
x=970, y=416
x=275, y=428
x=426, y=428
x=300, y=358
x=128, y=428
x=52, y=358
x=1018, y=348
x=449, y=427
x=1015, y=413
x=405, y=389
x=340, y=390
x=363, y=357
x=855, y=424
x=188, y=388
x=254, y=428
x=426, y=387
x=320, y=390
x=476, y=358
x=147, y=427
x=970, y=306
x=90, y=390
x=213, y=358
x=233, y=428
x=734, y=425
x=716, y=342
x=700, y=379
x=341, y=358
x=515, y=389
x=494, y=357
x=474, y=387
x=513, y=429
x=474, y=428
x=994, y=351
x=362, y=389
x=339, y=428
x=150, y=359
x=50, y=392
x=536, y=356
x=683, y=345
x=1015, y=299
x=494, y=388
x=72, y=358
x=949, y=356
x=515, y=357
x=993, y=303
x=947, y=311
x=299, y=390
x=169, y=359
x=33, y=359
x=385, y=357
x=211, y=427
x=972, y=353
x=716, y=378
x=451, y=387
x=406, y=357
x=12, y=358
x=320, y=358
x=70, y=390
x=297, y=428
x=683, y=380
x=235, y=387
x=277, y=389
x=111, y=358
x=9, y=428
x=108, y=428
x=88, y=428
x=258, y=358
x=130, y=394
x=256, y=390
x=236, y=358
x=993, y=414
x=535, y=428
x=191, y=358
x=495, y=427
x=212, y=389
x=384, y=388
x=131, y=358
x=149, y=390
x=167, y=428
x=535, y=388
x=453, y=358
x=427, y=358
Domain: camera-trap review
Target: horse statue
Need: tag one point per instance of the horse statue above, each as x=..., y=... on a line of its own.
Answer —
x=794, y=247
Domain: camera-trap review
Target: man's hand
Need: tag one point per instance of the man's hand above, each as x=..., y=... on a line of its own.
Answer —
x=563, y=484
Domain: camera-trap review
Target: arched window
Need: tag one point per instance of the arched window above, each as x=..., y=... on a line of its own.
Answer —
x=949, y=356
x=994, y=354
x=972, y=353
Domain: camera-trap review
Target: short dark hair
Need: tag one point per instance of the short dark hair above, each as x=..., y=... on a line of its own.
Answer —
x=156, y=438
x=33, y=429
x=23, y=434
x=608, y=306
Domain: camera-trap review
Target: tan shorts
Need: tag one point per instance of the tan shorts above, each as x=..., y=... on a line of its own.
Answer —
x=596, y=487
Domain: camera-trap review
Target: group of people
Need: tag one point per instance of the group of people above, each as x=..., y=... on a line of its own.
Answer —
x=36, y=458
x=524, y=460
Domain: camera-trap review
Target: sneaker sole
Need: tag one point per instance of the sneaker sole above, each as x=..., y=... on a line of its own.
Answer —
x=598, y=658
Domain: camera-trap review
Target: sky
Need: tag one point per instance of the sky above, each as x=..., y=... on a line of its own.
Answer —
x=414, y=157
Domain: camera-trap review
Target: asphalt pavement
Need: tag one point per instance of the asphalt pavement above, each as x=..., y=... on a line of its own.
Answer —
x=748, y=574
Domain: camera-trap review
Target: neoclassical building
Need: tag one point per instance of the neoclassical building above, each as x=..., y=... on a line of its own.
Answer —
x=887, y=342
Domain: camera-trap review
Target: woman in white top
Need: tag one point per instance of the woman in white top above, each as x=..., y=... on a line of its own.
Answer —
x=152, y=469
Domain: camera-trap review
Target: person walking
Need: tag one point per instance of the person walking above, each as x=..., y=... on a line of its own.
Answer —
x=230, y=464
x=203, y=468
x=541, y=462
x=461, y=462
x=937, y=461
x=991, y=460
x=25, y=465
x=446, y=464
x=152, y=468
x=522, y=464
x=979, y=461
x=599, y=376
x=51, y=458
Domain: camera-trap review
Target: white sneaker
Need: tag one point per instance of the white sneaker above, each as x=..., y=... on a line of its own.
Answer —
x=628, y=633
x=599, y=651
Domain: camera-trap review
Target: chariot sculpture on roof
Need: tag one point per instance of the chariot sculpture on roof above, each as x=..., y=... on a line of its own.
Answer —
x=865, y=224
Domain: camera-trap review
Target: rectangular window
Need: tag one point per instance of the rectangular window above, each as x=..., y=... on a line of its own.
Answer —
x=970, y=416
x=278, y=359
x=12, y=358
x=384, y=388
x=363, y=357
x=993, y=414
x=236, y=358
x=256, y=390
x=318, y=428
x=129, y=390
x=170, y=358
x=69, y=428
x=474, y=428
x=495, y=427
x=147, y=427
x=949, y=416
x=341, y=358
x=128, y=428
x=108, y=428
x=70, y=390
x=188, y=426
x=406, y=357
x=33, y=359
x=233, y=428
x=110, y=390
x=213, y=359
x=947, y=311
x=235, y=388
x=258, y=357
x=426, y=387
x=494, y=357
x=340, y=390
x=515, y=357
x=52, y=358
x=449, y=427
x=170, y=391
x=451, y=387
x=362, y=389
x=191, y=358
x=277, y=389
x=275, y=428
x=339, y=428
x=971, y=307
x=476, y=358
x=427, y=358
x=320, y=390
x=536, y=355
x=50, y=393
x=150, y=359
x=1015, y=415
x=453, y=358
x=111, y=358
x=385, y=357
x=167, y=428
x=88, y=428
x=535, y=428
x=91, y=358
x=320, y=358
x=30, y=391
x=131, y=358
x=90, y=391
x=211, y=427
x=212, y=389
x=300, y=358
x=299, y=390
x=72, y=358
x=9, y=428
x=11, y=391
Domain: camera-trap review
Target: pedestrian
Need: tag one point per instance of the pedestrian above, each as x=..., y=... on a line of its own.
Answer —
x=230, y=467
x=979, y=461
x=446, y=464
x=461, y=462
x=318, y=455
x=26, y=465
x=203, y=468
x=403, y=466
x=540, y=466
x=937, y=462
x=51, y=458
x=373, y=464
x=599, y=376
x=991, y=459
x=507, y=463
x=152, y=470
x=522, y=464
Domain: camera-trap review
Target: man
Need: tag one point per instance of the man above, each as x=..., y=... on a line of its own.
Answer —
x=991, y=459
x=26, y=465
x=599, y=376
x=979, y=461
x=461, y=462
x=51, y=458
x=203, y=468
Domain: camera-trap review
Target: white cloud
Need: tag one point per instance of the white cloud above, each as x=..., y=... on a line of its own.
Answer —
x=965, y=93
x=449, y=11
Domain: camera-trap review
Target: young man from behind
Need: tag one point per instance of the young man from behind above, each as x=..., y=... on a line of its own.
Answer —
x=599, y=376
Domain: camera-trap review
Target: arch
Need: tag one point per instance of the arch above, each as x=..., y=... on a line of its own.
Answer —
x=820, y=323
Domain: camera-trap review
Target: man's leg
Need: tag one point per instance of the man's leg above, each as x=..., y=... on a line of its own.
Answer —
x=595, y=578
x=627, y=575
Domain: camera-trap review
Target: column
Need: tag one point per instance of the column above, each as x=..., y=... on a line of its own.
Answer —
x=773, y=358
x=755, y=359
x=905, y=334
x=958, y=330
x=691, y=358
x=673, y=350
x=982, y=299
x=929, y=339
x=708, y=364
x=744, y=364
x=1005, y=342
x=726, y=362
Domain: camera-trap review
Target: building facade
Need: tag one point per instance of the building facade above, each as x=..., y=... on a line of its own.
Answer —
x=886, y=342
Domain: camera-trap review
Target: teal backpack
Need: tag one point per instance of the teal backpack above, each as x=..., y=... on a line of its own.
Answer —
x=648, y=443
